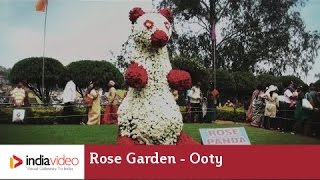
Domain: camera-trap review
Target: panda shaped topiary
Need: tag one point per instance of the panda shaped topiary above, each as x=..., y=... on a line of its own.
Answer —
x=149, y=112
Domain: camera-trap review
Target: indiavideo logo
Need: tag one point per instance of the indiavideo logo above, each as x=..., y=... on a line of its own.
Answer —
x=15, y=161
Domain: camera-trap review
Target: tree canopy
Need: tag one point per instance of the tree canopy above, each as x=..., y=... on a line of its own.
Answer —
x=267, y=80
x=85, y=71
x=30, y=69
x=253, y=34
x=197, y=71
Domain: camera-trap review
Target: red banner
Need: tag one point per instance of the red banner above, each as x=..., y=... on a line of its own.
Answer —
x=202, y=162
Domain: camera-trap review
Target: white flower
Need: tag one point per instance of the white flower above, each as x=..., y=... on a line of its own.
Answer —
x=151, y=115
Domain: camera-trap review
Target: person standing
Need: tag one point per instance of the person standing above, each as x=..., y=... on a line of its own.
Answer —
x=68, y=98
x=287, y=104
x=249, y=112
x=26, y=88
x=312, y=97
x=213, y=102
x=175, y=94
x=301, y=114
x=94, y=109
x=110, y=113
x=18, y=95
x=187, y=116
x=195, y=102
x=270, y=112
x=258, y=108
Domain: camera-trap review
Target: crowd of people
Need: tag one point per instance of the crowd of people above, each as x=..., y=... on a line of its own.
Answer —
x=92, y=99
x=200, y=107
x=296, y=110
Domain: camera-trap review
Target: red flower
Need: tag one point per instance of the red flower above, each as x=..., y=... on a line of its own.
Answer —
x=183, y=139
x=136, y=76
x=135, y=13
x=167, y=13
x=179, y=80
x=159, y=39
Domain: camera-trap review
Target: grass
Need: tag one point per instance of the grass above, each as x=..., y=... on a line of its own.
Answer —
x=106, y=134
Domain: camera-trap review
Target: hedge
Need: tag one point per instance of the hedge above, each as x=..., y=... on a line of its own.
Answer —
x=51, y=115
x=43, y=115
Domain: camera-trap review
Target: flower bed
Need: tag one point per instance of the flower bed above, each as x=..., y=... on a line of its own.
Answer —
x=183, y=139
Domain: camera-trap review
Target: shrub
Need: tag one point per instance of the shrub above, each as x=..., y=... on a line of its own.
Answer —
x=245, y=82
x=84, y=71
x=197, y=71
x=224, y=113
x=42, y=115
x=268, y=79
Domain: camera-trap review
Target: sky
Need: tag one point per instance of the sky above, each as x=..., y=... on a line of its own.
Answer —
x=84, y=29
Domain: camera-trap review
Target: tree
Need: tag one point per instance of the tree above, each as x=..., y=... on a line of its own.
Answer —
x=197, y=71
x=267, y=80
x=85, y=71
x=254, y=32
x=245, y=83
x=317, y=84
x=225, y=82
x=30, y=70
x=285, y=80
x=4, y=72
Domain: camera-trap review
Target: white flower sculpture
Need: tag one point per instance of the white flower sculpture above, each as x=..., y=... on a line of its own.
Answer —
x=150, y=114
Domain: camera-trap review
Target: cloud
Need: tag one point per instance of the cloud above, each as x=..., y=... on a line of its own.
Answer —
x=74, y=31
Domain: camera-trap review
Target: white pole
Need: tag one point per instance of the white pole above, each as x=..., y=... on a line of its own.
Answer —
x=43, y=52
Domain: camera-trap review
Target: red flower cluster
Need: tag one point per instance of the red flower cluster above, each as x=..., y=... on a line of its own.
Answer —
x=167, y=13
x=159, y=39
x=183, y=139
x=136, y=76
x=135, y=13
x=179, y=80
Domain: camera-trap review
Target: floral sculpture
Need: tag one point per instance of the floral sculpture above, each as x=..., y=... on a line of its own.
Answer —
x=149, y=114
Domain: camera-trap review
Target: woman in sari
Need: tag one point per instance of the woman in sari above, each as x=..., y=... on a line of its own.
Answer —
x=258, y=106
x=110, y=114
x=249, y=112
x=95, y=108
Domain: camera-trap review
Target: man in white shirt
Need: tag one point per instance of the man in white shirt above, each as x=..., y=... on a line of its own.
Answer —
x=195, y=101
x=68, y=98
x=286, y=107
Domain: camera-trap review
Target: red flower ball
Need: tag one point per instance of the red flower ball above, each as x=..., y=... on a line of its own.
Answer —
x=136, y=76
x=179, y=80
x=167, y=13
x=159, y=39
x=135, y=13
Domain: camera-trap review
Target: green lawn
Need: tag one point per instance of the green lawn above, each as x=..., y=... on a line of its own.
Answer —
x=106, y=134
